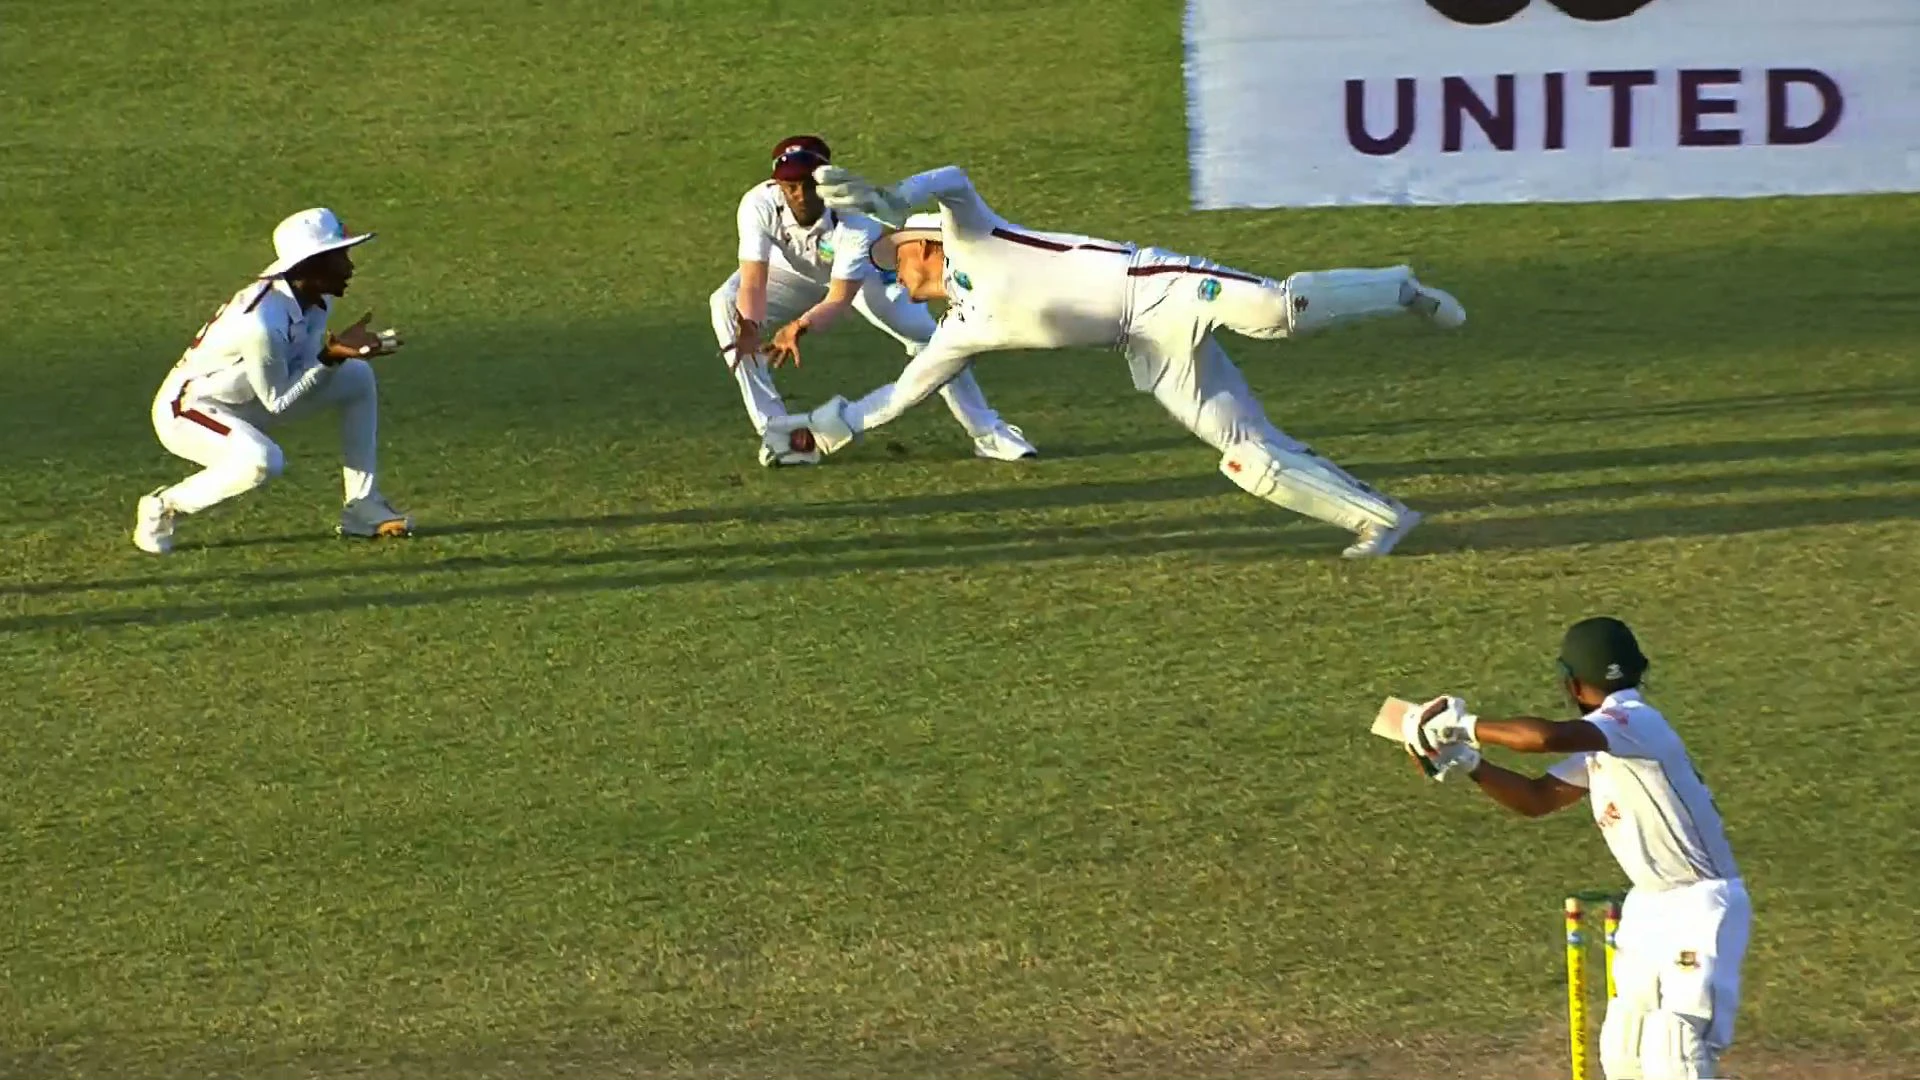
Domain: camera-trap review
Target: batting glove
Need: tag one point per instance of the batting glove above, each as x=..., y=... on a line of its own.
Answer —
x=1454, y=724
x=1457, y=757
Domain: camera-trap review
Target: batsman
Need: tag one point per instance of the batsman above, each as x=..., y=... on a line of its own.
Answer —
x=1684, y=927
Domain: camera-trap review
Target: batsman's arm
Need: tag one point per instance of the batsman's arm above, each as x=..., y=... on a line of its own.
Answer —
x=1532, y=735
x=1528, y=796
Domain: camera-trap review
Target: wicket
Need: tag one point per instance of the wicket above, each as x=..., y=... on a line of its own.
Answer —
x=1579, y=1041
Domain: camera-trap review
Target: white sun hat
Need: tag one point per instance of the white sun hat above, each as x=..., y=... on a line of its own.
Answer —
x=916, y=227
x=306, y=234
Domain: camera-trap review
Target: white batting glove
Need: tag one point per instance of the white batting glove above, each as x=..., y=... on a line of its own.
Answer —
x=1454, y=757
x=845, y=190
x=1454, y=724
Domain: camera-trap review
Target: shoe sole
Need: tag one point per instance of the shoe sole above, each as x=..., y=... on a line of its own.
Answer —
x=386, y=530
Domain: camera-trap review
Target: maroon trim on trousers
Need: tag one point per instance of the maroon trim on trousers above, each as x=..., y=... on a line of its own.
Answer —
x=180, y=410
x=1146, y=271
x=1054, y=245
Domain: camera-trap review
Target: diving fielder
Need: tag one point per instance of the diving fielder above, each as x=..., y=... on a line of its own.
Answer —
x=1683, y=931
x=1009, y=287
x=266, y=357
x=805, y=265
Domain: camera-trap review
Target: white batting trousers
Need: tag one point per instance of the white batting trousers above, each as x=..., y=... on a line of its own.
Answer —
x=888, y=307
x=1678, y=951
x=230, y=443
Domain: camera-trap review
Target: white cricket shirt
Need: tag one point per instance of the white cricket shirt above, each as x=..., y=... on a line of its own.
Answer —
x=259, y=346
x=1652, y=806
x=1010, y=287
x=833, y=248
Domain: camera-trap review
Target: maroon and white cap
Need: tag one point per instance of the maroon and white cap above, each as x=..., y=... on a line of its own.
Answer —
x=796, y=156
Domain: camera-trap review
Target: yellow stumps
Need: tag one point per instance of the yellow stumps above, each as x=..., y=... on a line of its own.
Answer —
x=1577, y=990
x=1579, y=906
x=1613, y=932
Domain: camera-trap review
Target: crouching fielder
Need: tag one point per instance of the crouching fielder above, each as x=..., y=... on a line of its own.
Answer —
x=1009, y=287
x=1683, y=931
x=266, y=357
x=805, y=265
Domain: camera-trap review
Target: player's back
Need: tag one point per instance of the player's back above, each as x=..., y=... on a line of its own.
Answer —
x=1653, y=807
x=1042, y=289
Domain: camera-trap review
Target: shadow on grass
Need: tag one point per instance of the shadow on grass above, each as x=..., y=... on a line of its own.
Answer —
x=1253, y=535
x=1570, y=461
x=1069, y=496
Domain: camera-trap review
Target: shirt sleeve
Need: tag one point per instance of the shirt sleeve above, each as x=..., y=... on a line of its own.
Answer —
x=852, y=243
x=756, y=228
x=1571, y=770
x=264, y=356
x=967, y=214
x=1626, y=736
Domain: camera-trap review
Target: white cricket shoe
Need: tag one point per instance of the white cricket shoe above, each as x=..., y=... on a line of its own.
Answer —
x=1004, y=443
x=153, y=524
x=1378, y=540
x=799, y=448
x=373, y=518
x=1437, y=306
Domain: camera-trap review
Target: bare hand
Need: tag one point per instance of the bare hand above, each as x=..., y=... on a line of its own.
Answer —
x=746, y=342
x=786, y=345
x=357, y=340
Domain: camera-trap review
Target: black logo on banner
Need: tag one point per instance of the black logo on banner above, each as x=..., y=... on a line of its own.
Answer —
x=1489, y=12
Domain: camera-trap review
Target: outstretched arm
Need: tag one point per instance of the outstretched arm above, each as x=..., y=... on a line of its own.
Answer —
x=785, y=347
x=1532, y=735
x=950, y=186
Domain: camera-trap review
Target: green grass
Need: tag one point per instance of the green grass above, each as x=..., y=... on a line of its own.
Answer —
x=643, y=760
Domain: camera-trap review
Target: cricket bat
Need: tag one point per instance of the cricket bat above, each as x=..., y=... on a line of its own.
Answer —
x=1387, y=725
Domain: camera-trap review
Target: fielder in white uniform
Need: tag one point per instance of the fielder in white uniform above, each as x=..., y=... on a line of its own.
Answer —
x=1009, y=287
x=806, y=265
x=266, y=357
x=1683, y=930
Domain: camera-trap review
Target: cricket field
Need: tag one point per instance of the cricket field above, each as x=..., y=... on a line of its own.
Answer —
x=644, y=761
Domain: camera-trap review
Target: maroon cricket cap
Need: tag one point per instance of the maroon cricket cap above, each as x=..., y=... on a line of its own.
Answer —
x=797, y=156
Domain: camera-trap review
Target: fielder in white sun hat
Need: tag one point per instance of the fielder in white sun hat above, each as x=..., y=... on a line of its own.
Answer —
x=917, y=227
x=310, y=232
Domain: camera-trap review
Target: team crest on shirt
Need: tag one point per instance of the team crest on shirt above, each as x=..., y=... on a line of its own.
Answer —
x=1209, y=289
x=1689, y=959
x=826, y=247
x=961, y=279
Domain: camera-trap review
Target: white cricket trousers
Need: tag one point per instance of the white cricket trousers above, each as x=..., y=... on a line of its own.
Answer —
x=1677, y=951
x=1178, y=301
x=888, y=307
x=229, y=442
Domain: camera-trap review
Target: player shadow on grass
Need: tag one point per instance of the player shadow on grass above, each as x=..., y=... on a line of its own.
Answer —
x=1250, y=535
x=1653, y=455
x=1133, y=492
